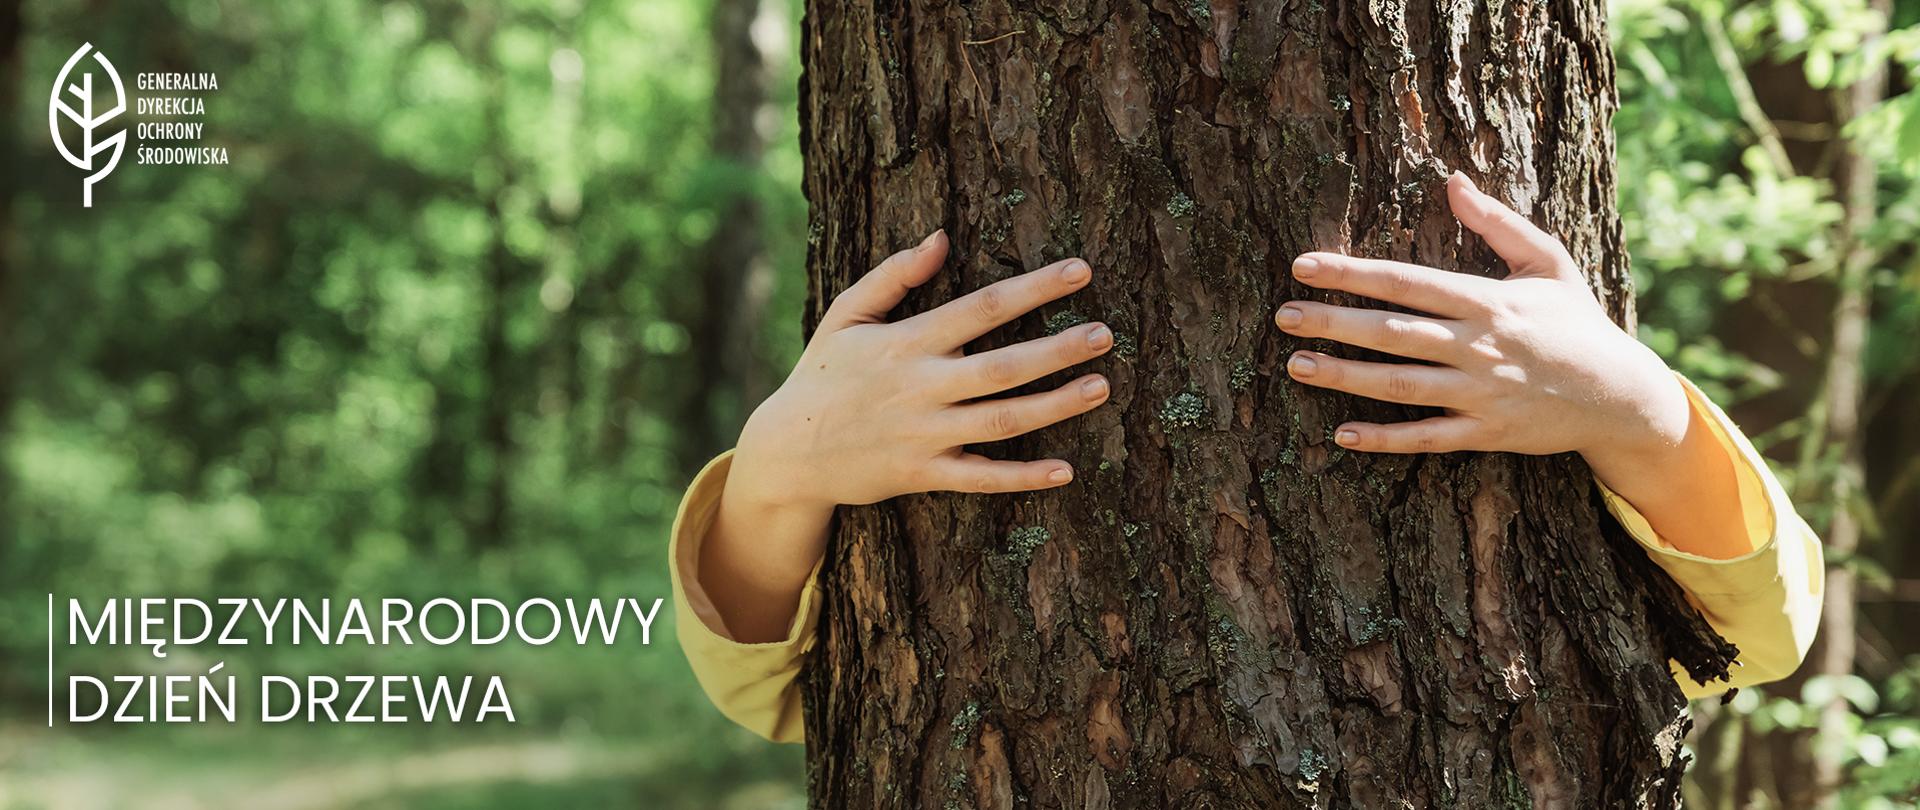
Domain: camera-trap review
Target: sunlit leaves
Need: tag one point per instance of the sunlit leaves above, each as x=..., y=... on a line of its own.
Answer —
x=1713, y=224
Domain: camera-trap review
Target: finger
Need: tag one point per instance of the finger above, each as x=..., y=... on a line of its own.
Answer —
x=882, y=288
x=1453, y=295
x=1527, y=249
x=954, y=323
x=1392, y=382
x=1390, y=332
x=998, y=370
x=1439, y=434
x=969, y=472
x=998, y=419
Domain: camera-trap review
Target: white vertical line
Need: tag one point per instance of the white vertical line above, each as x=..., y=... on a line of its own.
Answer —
x=49, y=659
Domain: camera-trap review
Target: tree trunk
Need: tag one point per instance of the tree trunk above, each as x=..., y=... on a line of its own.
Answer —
x=1838, y=425
x=1763, y=765
x=10, y=86
x=1226, y=609
x=10, y=83
x=735, y=278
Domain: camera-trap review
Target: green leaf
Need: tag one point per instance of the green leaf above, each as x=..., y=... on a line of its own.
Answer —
x=1872, y=749
x=1823, y=689
x=1819, y=67
x=1786, y=713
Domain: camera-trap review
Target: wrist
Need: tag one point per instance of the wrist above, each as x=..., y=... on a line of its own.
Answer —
x=768, y=478
x=779, y=514
x=1683, y=480
x=770, y=489
x=1645, y=423
x=755, y=562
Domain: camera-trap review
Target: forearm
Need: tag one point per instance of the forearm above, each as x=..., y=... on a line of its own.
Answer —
x=1669, y=465
x=757, y=557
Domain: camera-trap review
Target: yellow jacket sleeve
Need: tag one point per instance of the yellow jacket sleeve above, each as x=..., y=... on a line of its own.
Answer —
x=1767, y=601
x=752, y=684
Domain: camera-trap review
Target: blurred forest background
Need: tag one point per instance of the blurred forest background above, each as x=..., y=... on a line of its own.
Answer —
x=487, y=281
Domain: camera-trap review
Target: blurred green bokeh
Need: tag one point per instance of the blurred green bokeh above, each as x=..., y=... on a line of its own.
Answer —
x=427, y=335
x=437, y=331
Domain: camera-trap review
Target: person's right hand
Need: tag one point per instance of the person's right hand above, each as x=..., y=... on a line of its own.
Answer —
x=876, y=409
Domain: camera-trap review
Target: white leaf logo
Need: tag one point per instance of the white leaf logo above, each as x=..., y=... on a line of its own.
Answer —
x=86, y=119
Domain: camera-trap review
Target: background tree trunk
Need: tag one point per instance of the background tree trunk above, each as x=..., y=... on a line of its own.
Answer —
x=10, y=88
x=10, y=84
x=1836, y=433
x=1226, y=609
x=1822, y=362
x=735, y=278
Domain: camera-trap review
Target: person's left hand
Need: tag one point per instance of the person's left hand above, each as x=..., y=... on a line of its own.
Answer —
x=1530, y=364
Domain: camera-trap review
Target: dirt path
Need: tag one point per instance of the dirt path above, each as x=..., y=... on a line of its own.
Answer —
x=323, y=786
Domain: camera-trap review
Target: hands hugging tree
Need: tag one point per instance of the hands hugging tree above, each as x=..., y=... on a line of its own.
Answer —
x=1241, y=596
x=1529, y=364
x=876, y=409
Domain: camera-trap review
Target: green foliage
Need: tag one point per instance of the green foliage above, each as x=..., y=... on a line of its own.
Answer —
x=1735, y=222
x=1707, y=211
x=1878, y=739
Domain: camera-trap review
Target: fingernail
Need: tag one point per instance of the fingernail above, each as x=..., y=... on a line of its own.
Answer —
x=928, y=242
x=1346, y=438
x=1094, y=390
x=1289, y=317
x=1060, y=476
x=1302, y=366
x=1306, y=267
x=1100, y=338
x=1076, y=271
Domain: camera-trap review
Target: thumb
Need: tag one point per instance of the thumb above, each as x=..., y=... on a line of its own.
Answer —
x=1528, y=250
x=882, y=288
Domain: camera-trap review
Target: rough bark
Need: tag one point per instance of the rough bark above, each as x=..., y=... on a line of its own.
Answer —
x=1226, y=609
